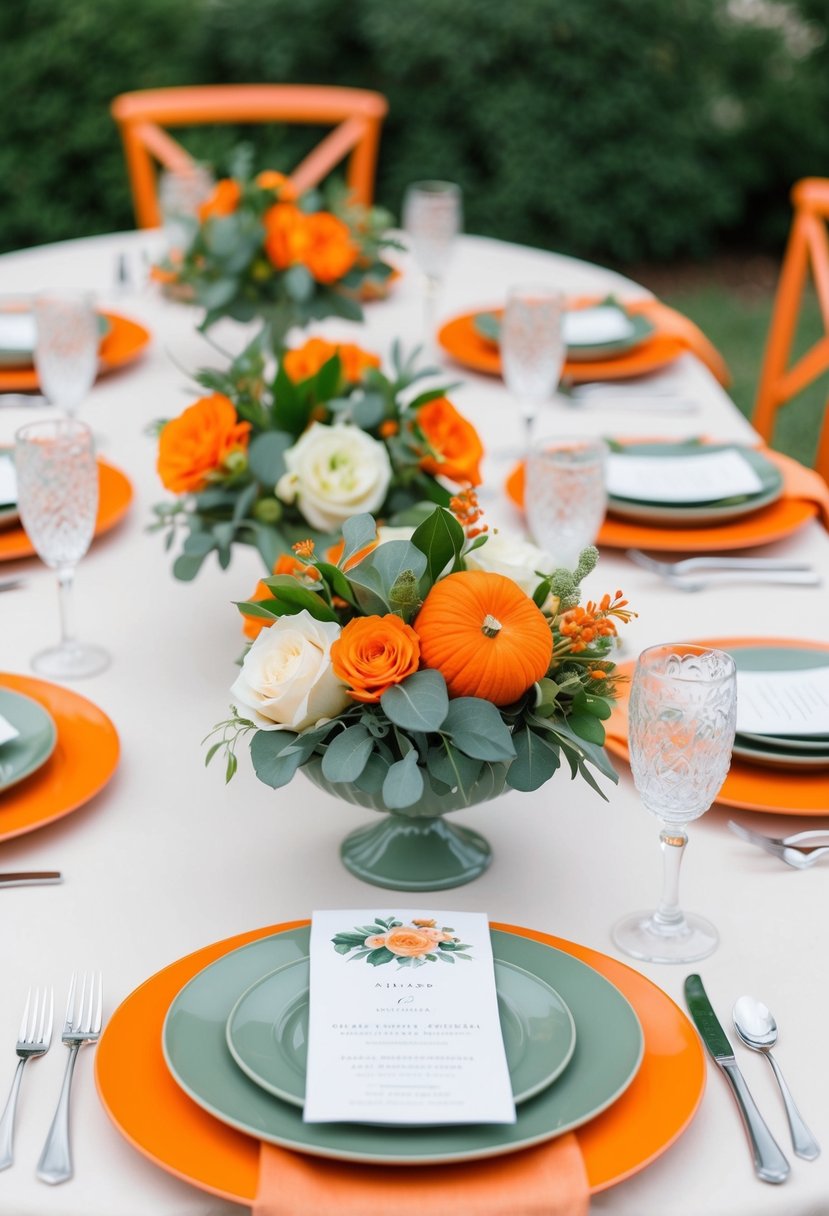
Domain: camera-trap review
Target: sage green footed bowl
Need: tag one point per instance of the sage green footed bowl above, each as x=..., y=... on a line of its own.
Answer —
x=415, y=849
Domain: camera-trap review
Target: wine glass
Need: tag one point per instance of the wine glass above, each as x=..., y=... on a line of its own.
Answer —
x=181, y=191
x=532, y=347
x=432, y=218
x=57, y=496
x=565, y=495
x=66, y=349
x=682, y=715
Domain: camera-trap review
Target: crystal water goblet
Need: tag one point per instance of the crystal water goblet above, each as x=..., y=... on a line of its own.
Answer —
x=57, y=495
x=565, y=495
x=432, y=219
x=682, y=715
x=181, y=192
x=532, y=347
x=66, y=348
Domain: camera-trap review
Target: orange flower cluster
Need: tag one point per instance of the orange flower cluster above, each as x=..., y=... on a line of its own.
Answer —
x=583, y=625
x=304, y=548
x=373, y=653
x=467, y=512
x=320, y=241
x=457, y=449
x=223, y=200
x=199, y=442
x=253, y=625
x=305, y=361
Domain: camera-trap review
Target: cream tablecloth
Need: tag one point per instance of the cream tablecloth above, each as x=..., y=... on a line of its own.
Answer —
x=168, y=858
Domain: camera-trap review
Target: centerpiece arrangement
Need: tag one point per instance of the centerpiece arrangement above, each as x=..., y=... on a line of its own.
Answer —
x=401, y=679
x=260, y=251
x=268, y=459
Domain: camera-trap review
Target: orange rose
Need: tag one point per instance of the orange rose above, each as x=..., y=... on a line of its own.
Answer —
x=459, y=450
x=223, y=201
x=330, y=252
x=286, y=236
x=286, y=564
x=376, y=940
x=373, y=653
x=305, y=361
x=199, y=442
x=424, y=924
x=409, y=943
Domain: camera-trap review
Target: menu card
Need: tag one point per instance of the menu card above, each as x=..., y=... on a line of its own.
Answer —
x=7, y=731
x=403, y=1024
x=783, y=702
x=8, y=482
x=593, y=326
x=17, y=331
x=704, y=477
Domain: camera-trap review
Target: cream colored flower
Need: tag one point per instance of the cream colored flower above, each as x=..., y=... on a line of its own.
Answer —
x=286, y=681
x=513, y=557
x=335, y=472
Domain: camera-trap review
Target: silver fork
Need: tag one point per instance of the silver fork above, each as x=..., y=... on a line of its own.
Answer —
x=689, y=564
x=726, y=578
x=34, y=1039
x=81, y=1025
x=800, y=850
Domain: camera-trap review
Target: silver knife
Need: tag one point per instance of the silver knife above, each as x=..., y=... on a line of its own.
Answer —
x=30, y=878
x=769, y=1163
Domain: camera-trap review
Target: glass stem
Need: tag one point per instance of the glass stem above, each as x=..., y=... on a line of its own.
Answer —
x=669, y=917
x=430, y=305
x=66, y=577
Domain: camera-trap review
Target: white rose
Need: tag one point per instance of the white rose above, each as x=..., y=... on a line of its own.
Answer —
x=385, y=533
x=336, y=472
x=513, y=557
x=286, y=681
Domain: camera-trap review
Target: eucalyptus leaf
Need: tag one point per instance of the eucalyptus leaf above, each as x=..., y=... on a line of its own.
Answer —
x=419, y=703
x=476, y=728
x=368, y=411
x=536, y=759
x=187, y=566
x=587, y=726
x=358, y=532
x=403, y=784
x=266, y=456
x=347, y=754
x=299, y=283
x=454, y=768
x=276, y=756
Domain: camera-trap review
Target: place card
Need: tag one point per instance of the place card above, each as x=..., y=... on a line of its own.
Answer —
x=8, y=482
x=703, y=477
x=7, y=731
x=593, y=326
x=403, y=1025
x=783, y=702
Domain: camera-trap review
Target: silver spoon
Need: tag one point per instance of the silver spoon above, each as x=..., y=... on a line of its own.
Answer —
x=757, y=1028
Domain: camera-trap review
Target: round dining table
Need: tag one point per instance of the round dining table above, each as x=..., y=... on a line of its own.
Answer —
x=168, y=858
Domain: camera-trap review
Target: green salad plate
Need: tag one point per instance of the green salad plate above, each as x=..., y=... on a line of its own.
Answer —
x=488, y=326
x=781, y=751
x=35, y=742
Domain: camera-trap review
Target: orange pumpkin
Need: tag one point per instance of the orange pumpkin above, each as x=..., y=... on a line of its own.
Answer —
x=484, y=635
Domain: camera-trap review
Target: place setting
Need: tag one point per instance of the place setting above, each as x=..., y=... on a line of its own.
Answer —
x=225, y=1059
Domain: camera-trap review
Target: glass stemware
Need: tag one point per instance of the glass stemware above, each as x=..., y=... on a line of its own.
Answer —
x=565, y=495
x=432, y=218
x=682, y=714
x=532, y=347
x=57, y=494
x=180, y=193
x=66, y=349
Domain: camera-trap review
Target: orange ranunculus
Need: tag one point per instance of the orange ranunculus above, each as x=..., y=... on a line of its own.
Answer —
x=330, y=252
x=305, y=361
x=223, y=201
x=459, y=450
x=409, y=943
x=286, y=235
x=373, y=653
x=199, y=442
x=286, y=564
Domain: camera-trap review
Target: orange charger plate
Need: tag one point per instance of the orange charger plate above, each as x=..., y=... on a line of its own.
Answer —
x=114, y=498
x=774, y=522
x=750, y=786
x=460, y=339
x=125, y=341
x=82, y=763
x=149, y=1109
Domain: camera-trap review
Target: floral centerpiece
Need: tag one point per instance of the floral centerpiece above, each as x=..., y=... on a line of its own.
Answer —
x=260, y=251
x=266, y=460
x=402, y=679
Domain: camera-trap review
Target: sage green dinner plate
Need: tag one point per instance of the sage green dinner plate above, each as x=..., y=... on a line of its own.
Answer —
x=781, y=751
x=267, y=1031
x=608, y=1052
x=38, y=736
x=694, y=514
x=23, y=356
x=488, y=325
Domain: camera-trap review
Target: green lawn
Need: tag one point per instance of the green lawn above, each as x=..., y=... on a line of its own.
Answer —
x=737, y=322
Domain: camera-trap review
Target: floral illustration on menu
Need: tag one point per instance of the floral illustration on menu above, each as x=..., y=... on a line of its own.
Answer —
x=409, y=945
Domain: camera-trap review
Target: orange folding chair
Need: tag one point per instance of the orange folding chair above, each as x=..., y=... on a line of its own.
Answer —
x=142, y=116
x=808, y=247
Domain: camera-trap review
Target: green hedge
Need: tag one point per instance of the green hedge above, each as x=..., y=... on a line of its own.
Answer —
x=619, y=130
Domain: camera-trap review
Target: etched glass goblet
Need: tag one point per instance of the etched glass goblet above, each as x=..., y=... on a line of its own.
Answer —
x=532, y=348
x=432, y=218
x=682, y=714
x=57, y=495
x=66, y=350
x=565, y=495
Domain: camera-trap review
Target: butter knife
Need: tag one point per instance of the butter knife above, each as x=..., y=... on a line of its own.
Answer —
x=769, y=1163
x=30, y=878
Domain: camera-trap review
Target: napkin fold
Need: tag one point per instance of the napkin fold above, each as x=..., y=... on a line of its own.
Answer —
x=670, y=321
x=548, y=1180
x=800, y=482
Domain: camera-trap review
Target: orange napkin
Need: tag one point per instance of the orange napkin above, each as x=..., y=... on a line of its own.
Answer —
x=548, y=1180
x=800, y=482
x=669, y=321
